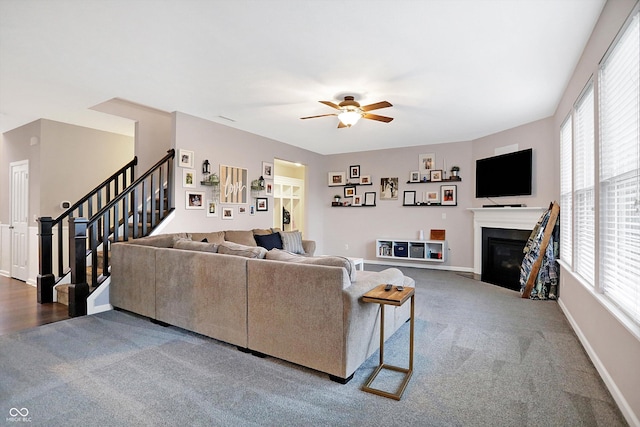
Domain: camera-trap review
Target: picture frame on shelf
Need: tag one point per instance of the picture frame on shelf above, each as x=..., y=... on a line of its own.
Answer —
x=227, y=212
x=262, y=204
x=268, y=189
x=432, y=197
x=188, y=178
x=336, y=178
x=369, y=198
x=194, y=200
x=242, y=209
x=185, y=158
x=414, y=176
x=349, y=191
x=212, y=209
x=267, y=170
x=449, y=195
x=426, y=162
x=365, y=179
x=354, y=171
x=409, y=198
x=436, y=175
x=357, y=200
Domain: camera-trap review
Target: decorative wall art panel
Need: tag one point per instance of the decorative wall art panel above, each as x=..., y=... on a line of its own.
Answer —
x=233, y=184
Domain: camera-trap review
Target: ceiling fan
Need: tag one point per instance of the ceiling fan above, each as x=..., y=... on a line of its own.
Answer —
x=350, y=111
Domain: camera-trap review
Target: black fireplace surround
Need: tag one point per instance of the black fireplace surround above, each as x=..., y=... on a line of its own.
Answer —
x=502, y=256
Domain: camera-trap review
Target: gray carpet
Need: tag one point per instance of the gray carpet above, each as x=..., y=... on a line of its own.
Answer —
x=483, y=357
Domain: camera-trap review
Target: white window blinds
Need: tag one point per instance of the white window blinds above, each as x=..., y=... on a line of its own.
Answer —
x=620, y=172
x=566, y=195
x=584, y=191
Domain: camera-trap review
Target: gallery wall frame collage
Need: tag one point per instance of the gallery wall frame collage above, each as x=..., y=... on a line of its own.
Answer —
x=427, y=173
x=227, y=193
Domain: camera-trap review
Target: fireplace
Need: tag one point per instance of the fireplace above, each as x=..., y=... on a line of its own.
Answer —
x=520, y=220
x=502, y=256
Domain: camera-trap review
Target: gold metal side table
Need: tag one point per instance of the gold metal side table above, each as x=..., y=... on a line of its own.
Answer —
x=393, y=297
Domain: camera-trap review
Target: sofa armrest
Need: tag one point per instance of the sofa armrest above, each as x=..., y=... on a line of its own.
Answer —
x=309, y=247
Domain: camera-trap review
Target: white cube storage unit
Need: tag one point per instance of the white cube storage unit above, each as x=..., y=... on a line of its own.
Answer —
x=414, y=250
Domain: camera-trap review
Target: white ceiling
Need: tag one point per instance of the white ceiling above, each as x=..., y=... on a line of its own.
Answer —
x=455, y=70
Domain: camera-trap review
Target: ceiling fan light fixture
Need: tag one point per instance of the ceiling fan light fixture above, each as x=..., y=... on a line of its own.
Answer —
x=349, y=117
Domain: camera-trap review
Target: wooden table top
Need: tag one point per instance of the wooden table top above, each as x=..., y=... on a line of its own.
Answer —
x=393, y=297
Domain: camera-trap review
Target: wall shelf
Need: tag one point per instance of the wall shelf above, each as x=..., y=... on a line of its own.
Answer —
x=414, y=250
x=458, y=179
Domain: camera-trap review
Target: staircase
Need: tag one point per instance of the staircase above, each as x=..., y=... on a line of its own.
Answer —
x=134, y=210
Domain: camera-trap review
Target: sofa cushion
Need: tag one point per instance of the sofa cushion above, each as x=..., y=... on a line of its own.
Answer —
x=269, y=241
x=292, y=241
x=243, y=237
x=212, y=237
x=161, y=240
x=231, y=248
x=195, y=246
x=262, y=231
x=331, y=261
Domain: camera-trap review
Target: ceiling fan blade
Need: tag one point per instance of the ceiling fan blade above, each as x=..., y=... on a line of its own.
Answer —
x=330, y=104
x=377, y=105
x=341, y=125
x=378, y=118
x=321, y=115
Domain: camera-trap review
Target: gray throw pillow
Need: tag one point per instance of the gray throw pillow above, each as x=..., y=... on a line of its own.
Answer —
x=230, y=248
x=292, y=241
x=195, y=246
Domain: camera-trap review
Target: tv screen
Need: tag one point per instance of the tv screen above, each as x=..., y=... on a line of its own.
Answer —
x=505, y=175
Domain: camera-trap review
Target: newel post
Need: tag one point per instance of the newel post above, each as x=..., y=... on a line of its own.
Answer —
x=78, y=289
x=46, y=279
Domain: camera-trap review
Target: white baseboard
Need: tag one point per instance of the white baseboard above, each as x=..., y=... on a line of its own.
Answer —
x=419, y=264
x=624, y=406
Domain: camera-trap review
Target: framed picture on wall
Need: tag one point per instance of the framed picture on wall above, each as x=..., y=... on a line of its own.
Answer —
x=262, y=204
x=357, y=200
x=436, y=175
x=267, y=170
x=227, y=212
x=194, y=200
x=414, y=176
x=188, y=178
x=449, y=195
x=185, y=158
x=409, y=198
x=212, y=209
x=354, y=171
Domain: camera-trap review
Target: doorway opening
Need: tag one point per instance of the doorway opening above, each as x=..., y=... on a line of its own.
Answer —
x=288, y=195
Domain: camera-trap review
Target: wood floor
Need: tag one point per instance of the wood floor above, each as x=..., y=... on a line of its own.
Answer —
x=19, y=308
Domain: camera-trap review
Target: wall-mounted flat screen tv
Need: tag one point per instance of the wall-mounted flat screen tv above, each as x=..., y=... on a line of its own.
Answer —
x=505, y=175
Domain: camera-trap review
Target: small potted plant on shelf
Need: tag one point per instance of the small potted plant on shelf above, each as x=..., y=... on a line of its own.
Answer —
x=454, y=171
x=336, y=200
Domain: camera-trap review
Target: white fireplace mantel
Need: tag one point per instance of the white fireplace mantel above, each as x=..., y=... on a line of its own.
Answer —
x=510, y=218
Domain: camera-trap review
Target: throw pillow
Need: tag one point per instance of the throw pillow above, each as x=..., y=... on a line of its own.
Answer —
x=161, y=240
x=243, y=237
x=292, y=241
x=331, y=261
x=212, y=237
x=195, y=246
x=269, y=241
x=230, y=248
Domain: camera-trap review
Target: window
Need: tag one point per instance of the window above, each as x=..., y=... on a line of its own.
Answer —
x=619, y=186
x=566, y=194
x=584, y=187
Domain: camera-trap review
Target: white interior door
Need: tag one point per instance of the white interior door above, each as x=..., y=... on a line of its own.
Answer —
x=19, y=219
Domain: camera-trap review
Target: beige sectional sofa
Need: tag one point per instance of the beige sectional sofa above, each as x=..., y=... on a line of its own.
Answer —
x=306, y=310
